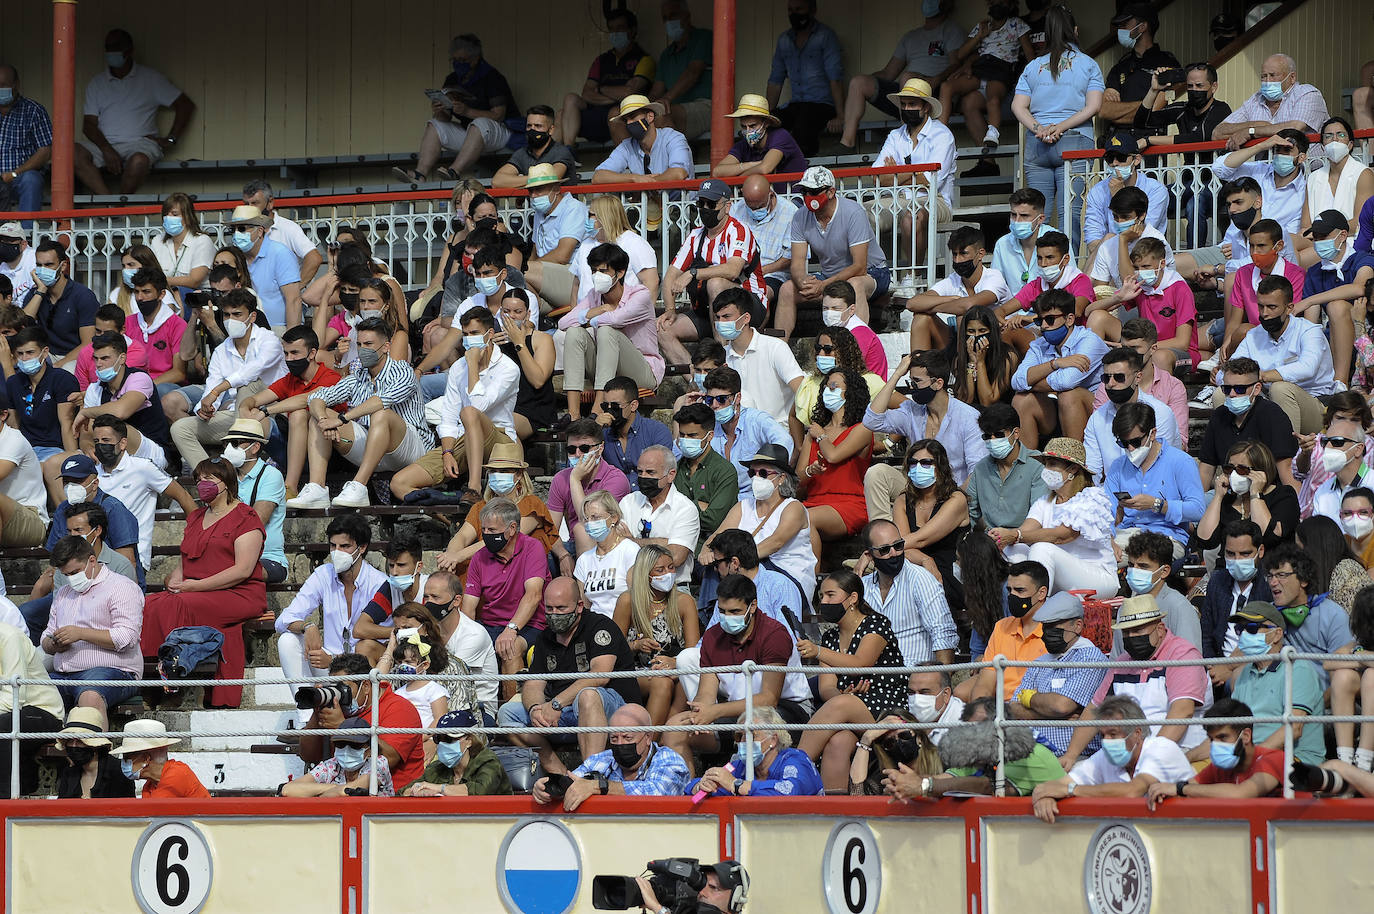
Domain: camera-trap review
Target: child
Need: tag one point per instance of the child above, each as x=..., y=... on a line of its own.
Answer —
x=412, y=654
x=109, y=319
x=988, y=59
x=708, y=355
x=1129, y=208
x=347, y=770
x=1057, y=271
x=968, y=285
x=1163, y=297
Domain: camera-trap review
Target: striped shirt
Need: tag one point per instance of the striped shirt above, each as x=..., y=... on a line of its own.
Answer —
x=1078, y=686
x=24, y=131
x=395, y=384
x=916, y=607
x=734, y=241
x=113, y=604
x=663, y=775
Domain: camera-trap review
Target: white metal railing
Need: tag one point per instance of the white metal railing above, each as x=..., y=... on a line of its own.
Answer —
x=1000, y=664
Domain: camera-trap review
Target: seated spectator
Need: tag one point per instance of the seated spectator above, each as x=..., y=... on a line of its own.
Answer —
x=349, y=772
x=778, y=769
x=909, y=596
x=1068, y=530
x=133, y=258
x=1059, y=693
x=1165, y=299
x=460, y=283
x=1338, y=572
x=981, y=83
x=1281, y=102
x=63, y=307
x=769, y=217
x=28, y=145
x=720, y=256
x=1258, y=630
x=1345, y=456
x=1122, y=377
x=1064, y=361
x=89, y=521
x=930, y=698
x=576, y=640
x=837, y=232
x=659, y=621
x=383, y=427
x=505, y=586
x=360, y=292
x=657, y=513
x=984, y=362
x=404, y=752
x=466, y=640
x=838, y=449
x=1142, y=336
x=764, y=146
x=520, y=340
x=46, y=417
x=469, y=120
x=781, y=597
x=405, y=584
x=609, y=224
x=633, y=766
x=1014, y=254
x=586, y=472
x=415, y=653
x=1162, y=491
x=1236, y=581
x=156, y=325
x=1294, y=358
x=557, y=227
x=626, y=434
x=108, y=319
x=808, y=55
x=611, y=331
x=264, y=491
x=127, y=393
x=492, y=278
x=1148, y=556
x=221, y=563
x=204, y=333
x=23, y=497
x=682, y=86
x=1056, y=271
x=922, y=137
x=1003, y=485
x=1357, y=521
x=541, y=148
x=463, y=765
x=507, y=477
x=968, y=285
x=1249, y=416
x=928, y=407
x=1266, y=180
x=704, y=476
x=142, y=755
x=340, y=589
x=129, y=479
x=17, y=262
x=1123, y=160
x=931, y=515
x=289, y=234
x=274, y=268
x=1335, y=283
x=603, y=570
x=625, y=69
x=740, y=430
x=838, y=306
x=985, y=588
x=743, y=633
x=1193, y=117
x=1112, y=264
x=859, y=637
x=1130, y=762
x=1247, y=487
x=837, y=349
x=1017, y=636
x=653, y=151
x=91, y=772
x=477, y=414
x=39, y=706
x=1267, y=244
x=1239, y=768
x=184, y=252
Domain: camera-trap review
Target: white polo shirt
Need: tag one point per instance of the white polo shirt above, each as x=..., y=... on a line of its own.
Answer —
x=25, y=482
x=21, y=276
x=766, y=369
x=137, y=483
x=1160, y=758
x=991, y=281
x=1105, y=268
x=677, y=520
x=471, y=644
x=290, y=235
x=126, y=109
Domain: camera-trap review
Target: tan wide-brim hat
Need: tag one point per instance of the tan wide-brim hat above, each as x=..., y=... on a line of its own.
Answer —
x=506, y=457
x=754, y=106
x=542, y=175
x=247, y=429
x=632, y=103
x=1067, y=449
x=142, y=735
x=1137, y=611
x=81, y=721
x=918, y=89
x=249, y=215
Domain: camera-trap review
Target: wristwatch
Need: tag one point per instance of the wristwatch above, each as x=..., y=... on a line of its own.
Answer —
x=1251, y=132
x=734, y=788
x=1073, y=785
x=603, y=785
x=171, y=139
x=1159, y=505
x=556, y=704
x=1179, y=785
x=510, y=625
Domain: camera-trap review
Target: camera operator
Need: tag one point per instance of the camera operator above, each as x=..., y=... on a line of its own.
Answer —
x=404, y=752
x=634, y=766
x=727, y=889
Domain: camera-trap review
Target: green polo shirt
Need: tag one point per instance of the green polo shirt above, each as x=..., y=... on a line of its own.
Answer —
x=1262, y=690
x=673, y=62
x=713, y=487
x=997, y=502
x=1024, y=774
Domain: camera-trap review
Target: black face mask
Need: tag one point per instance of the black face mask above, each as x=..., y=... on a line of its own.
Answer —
x=1272, y=325
x=615, y=412
x=297, y=367
x=1244, y=218
x=924, y=395
x=439, y=610
x=650, y=487
x=1138, y=646
x=535, y=139
x=1019, y=606
x=1036, y=6
x=1056, y=640
x=1119, y=395
x=106, y=454
x=1197, y=98
x=913, y=117
x=494, y=542
x=709, y=216
x=800, y=21
x=349, y=300
x=8, y=252
x=149, y=308
x=890, y=565
x=965, y=268
x=637, y=129
x=831, y=612
x=80, y=754
x=903, y=748
x=626, y=755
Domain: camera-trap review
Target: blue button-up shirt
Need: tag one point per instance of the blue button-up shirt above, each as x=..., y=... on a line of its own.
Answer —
x=663, y=774
x=958, y=431
x=670, y=150
x=1079, y=686
x=1007, y=259
x=274, y=267
x=1283, y=203
x=643, y=433
x=27, y=129
x=1173, y=477
x=811, y=67
x=1081, y=341
x=566, y=220
x=1097, y=212
x=918, y=611
x=754, y=429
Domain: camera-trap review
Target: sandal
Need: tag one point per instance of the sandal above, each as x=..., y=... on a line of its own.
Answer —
x=408, y=175
x=447, y=174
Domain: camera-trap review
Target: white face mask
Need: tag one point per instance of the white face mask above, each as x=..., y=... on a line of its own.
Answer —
x=80, y=582
x=762, y=488
x=1336, y=151
x=1138, y=455
x=831, y=317
x=235, y=329
x=663, y=582
x=1053, y=479
x=1240, y=484
x=342, y=561
x=1358, y=526
x=922, y=707
x=236, y=455
x=602, y=282
x=1334, y=459
x=76, y=494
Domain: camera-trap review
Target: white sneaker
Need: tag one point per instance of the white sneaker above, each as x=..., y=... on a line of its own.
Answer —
x=1209, y=366
x=312, y=495
x=352, y=495
x=905, y=289
x=1203, y=400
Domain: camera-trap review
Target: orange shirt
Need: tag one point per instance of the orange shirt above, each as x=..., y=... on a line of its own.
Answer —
x=178, y=780
x=1010, y=641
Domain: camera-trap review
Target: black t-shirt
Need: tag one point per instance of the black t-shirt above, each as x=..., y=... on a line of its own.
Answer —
x=556, y=154
x=1192, y=126
x=110, y=782
x=596, y=636
x=1132, y=74
x=1264, y=422
x=38, y=413
x=483, y=87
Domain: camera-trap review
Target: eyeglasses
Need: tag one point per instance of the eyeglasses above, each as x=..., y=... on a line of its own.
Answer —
x=1239, y=469
x=1120, y=377
x=1336, y=441
x=1329, y=137
x=1235, y=390
x=717, y=400
x=1131, y=444
x=888, y=549
x=1345, y=514
x=826, y=347
x=764, y=472
x=1279, y=575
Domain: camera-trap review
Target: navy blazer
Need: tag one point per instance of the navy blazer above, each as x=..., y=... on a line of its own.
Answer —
x=1217, y=607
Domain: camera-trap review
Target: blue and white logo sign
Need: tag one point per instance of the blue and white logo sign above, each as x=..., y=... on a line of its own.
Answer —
x=539, y=868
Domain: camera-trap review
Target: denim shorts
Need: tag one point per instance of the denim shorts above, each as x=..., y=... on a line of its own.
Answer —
x=113, y=695
x=513, y=713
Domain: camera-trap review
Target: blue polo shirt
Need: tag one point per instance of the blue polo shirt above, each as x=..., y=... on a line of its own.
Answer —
x=264, y=482
x=566, y=220
x=1323, y=277
x=754, y=429
x=274, y=267
x=64, y=318
x=1053, y=100
x=644, y=433
x=36, y=406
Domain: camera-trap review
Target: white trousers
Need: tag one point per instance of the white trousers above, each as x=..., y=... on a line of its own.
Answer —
x=1068, y=572
x=294, y=665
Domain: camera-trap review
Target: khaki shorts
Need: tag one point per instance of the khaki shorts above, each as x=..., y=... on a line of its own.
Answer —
x=556, y=284
x=146, y=145
x=881, y=211
x=696, y=116
x=432, y=462
x=452, y=136
x=25, y=528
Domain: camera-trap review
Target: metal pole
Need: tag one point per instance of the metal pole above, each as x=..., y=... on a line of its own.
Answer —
x=931, y=229
x=722, y=79
x=1287, y=657
x=15, y=711
x=1000, y=780
x=749, y=720
x=372, y=726
x=63, y=102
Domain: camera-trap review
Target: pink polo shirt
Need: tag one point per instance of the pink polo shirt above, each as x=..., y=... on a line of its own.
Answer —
x=1170, y=308
x=1081, y=286
x=1245, y=288
x=872, y=347
x=163, y=341
x=137, y=358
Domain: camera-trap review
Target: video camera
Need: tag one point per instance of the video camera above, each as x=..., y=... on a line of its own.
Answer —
x=313, y=698
x=676, y=882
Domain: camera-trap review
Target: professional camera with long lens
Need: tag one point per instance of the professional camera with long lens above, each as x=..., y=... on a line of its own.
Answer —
x=312, y=698
x=675, y=881
x=1315, y=779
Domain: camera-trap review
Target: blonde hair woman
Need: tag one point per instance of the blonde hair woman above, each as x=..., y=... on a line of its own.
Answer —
x=604, y=570
x=659, y=621
x=611, y=225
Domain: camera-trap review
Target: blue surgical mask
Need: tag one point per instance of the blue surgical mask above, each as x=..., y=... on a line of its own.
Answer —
x=597, y=529
x=1283, y=165
x=128, y=276
x=1125, y=38
x=699, y=379
x=1252, y=644
x=475, y=342
x=1241, y=569
x=243, y=241
x=1140, y=580
x=1122, y=227
x=501, y=483
x=930, y=8
x=114, y=59
x=30, y=366
x=691, y=447
x=1052, y=273
x=46, y=275
x=1122, y=171
x=172, y=225
x=1022, y=230
x=728, y=330
x=488, y=285
x=350, y=757
x=761, y=215
x=107, y=374
x=673, y=29
x=921, y=477
x=825, y=363
x=833, y=399
x=999, y=447
x=590, y=227
x=542, y=204
x=1271, y=91
x=449, y=754
x=1224, y=755
x=753, y=748
x=725, y=413
x=401, y=581
x=127, y=766
x=1326, y=248
x=1147, y=277
x=1238, y=405
x=1117, y=751
x=733, y=625
x=1056, y=336
x=6, y=96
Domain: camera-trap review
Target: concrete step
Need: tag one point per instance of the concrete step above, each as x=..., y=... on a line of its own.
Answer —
x=220, y=770
x=245, y=719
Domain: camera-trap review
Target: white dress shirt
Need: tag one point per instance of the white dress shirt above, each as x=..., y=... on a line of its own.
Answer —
x=934, y=143
x=677, y=520
x=323, y=591
x=1301, y=355
x=263, y=361
x=494, y=394
x=1100, y=442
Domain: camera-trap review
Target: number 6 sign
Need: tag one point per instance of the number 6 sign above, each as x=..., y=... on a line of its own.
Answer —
x=852, y=873
x=172, y=868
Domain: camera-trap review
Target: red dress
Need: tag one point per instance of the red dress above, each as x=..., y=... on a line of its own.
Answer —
x=206, y=552
x=841, y=486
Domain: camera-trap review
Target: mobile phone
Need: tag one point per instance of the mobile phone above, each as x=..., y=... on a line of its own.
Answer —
x=1171, y=77
x=1122, y=496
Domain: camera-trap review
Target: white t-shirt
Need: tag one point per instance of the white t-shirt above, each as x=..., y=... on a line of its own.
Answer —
x=423, y=695
x=21, y=276
x=196, y=251
x=25, y=482
x=290, y=236
x=677, y=520
x=1160, y=758
x=605, y=577
x=471, y=644
x=127, y=108
x=991, y=281
x=766, y=369
x=136, y=483
x=640, y=252
x=1105, y=267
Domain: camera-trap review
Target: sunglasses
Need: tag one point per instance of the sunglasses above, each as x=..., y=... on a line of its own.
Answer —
x=764, y=472
x=1131, y=444
x=1239, y=469
x=825, y=347
x=582, y=448
x=720, y=400
x=1337, y=441
x=1049, y=321
x=1235, y=390
x=887, y=549
x=923, y=462
x=1005, y=433
x=1119, y=377
x=1252, y=628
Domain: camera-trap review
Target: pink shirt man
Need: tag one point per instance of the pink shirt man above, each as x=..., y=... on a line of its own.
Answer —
x=113, y=604
x=1245, y=288
x=85, y=360
x=161, y=337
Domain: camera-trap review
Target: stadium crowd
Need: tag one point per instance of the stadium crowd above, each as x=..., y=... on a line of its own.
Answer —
x=1009, y=471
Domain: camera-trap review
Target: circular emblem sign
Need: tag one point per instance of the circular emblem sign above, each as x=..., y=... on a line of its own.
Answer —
x=1116, y=873
x=539, y=868
x=852, y=874
x=172, y=868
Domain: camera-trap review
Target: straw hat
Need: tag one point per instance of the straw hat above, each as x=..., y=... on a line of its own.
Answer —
x=1069, y=449
x=249, y=215
x=81, y=721
x=754, y=106
x=542, y=175
x=918, y=89
x=507, y=457
x=142, y=735
x=245, y=429
x=632, y=103
x=1136, y=611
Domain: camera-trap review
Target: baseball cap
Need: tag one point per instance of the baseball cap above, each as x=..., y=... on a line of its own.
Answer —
x=1328, y=221
x=1121, y=142
x=1059, y=608
x=11, y=230
x=817, y=177
x=77, y=466
x=353, y=723
x=713, y=189
x=1140, y=12
x=1258, y=611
